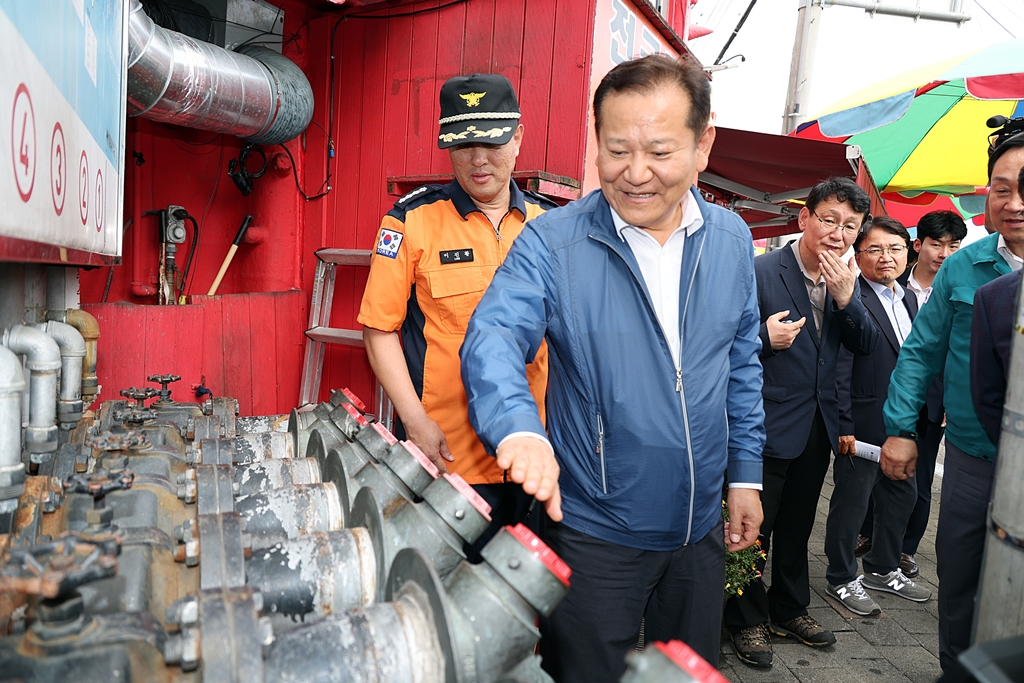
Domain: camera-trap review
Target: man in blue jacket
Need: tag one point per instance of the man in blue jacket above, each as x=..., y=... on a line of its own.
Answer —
x=646, y=296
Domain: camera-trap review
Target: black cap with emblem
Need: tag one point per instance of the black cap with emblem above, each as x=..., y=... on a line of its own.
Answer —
x=477, y=108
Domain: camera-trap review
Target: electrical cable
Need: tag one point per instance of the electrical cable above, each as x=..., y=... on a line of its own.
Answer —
x=295, y=174
x=191, y=250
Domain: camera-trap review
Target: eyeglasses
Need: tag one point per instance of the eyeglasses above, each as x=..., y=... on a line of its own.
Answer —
x=875, y=252
x=831, y=225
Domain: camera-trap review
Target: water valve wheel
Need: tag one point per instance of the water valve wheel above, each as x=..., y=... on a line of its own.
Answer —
x=163, y=381
x=140, y=396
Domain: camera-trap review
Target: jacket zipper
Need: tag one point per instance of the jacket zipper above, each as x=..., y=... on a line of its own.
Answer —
x=600, y=453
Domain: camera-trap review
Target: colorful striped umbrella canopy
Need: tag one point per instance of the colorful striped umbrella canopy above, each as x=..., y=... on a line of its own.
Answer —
x=923, y=131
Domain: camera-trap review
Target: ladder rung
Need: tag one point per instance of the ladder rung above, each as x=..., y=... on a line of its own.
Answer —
x=334, y=335
x=345, y=257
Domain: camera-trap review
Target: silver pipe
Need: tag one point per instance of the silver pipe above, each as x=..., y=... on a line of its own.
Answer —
x=42, y=360
x=12, y=472
x=254, y=93
x=72, y=353
x=875, y=7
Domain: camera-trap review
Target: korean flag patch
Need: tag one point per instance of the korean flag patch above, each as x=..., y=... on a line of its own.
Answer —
x=389, y=243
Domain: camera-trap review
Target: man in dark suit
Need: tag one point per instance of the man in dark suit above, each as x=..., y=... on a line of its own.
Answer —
x=991, y=342
x=810, y=305
x=939, y=234
x=863, y=384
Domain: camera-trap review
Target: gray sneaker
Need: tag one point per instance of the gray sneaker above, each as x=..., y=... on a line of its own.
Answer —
x=854, y=598
x=897, y=583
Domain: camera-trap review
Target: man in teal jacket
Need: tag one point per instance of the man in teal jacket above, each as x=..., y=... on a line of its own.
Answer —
x=941, y=338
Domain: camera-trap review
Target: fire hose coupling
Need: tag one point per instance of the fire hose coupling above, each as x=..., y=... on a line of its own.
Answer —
x=409, y=463
x=459, y=506
x=376, y=439
x=348, y=419
x=345, y=395
x=671, y=662
x=529, y=566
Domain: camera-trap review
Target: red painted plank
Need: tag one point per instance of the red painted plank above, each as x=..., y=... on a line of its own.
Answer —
x=263, y=350
x=535, y=83
x=237, y=350
x=480, y=29
x=570, y=88
x=212, y=346
x=421, y=135
x=290, y=322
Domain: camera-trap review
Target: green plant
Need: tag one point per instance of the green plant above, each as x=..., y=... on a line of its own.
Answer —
x=741, y=566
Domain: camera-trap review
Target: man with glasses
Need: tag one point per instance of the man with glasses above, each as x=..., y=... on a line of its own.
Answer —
x=862, y=383
x=810, y=305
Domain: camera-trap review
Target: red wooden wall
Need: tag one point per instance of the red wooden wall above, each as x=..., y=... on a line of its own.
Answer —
x=387, y=74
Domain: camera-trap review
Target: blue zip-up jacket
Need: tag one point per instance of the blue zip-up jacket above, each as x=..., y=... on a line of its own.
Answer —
x=643, y=446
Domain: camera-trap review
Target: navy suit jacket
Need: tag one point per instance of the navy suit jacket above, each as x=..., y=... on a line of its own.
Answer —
x=863, y=381
x=802, y=378
x=935, y=412
x=991, y=341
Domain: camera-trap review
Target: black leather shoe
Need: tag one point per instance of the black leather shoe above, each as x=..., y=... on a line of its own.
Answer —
x=863, y=545
x=908, y=565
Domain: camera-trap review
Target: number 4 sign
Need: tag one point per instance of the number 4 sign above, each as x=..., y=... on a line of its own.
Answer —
x=23, y=142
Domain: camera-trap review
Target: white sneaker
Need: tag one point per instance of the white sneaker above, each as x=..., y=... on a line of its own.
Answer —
x=897, y=583
x=854, y=598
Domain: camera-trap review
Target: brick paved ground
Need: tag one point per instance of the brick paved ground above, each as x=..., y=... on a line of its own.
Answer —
x=901, y=645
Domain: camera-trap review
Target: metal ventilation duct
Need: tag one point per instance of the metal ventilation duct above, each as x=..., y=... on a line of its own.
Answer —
x=254, y=93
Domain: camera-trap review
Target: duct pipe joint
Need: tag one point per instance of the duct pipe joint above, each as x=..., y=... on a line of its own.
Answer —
x=42, y=359
x=72, y=351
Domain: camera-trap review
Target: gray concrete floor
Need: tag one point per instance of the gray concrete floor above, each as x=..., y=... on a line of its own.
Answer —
x=900, y=645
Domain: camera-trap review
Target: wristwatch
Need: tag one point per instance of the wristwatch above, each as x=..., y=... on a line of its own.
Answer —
x=904, y=434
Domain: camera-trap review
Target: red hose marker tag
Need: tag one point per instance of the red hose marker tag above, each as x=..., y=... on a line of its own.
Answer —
x=686, y=659
x=388, y=437
x=355, y=399
x=471, y=495
x=354, y=412
x=422, y=459
x=542, y=552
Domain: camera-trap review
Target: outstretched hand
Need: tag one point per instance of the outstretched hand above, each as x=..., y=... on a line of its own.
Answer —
x=531, y=462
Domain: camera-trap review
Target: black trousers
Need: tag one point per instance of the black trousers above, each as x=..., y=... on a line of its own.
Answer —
x=929, y=438
x=677, y=593
x=789, y=500
x=959, y=547
x=856, y=481
x=509, y=505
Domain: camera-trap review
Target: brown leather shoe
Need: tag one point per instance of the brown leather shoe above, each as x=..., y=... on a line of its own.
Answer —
x=805, y=629
x=753, y=646
x=863, y=545
x=908, y=565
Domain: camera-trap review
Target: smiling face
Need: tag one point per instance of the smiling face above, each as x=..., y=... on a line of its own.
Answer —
x=648, y=157
x=484, y=170
x=882, y=268
x=1005, y=208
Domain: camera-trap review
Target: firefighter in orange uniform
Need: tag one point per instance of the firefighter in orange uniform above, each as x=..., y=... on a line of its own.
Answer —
x=436, y=253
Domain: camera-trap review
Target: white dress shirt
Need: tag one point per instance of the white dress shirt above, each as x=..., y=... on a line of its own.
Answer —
x=892, y=302
x=922, y=293
x=1015, y=262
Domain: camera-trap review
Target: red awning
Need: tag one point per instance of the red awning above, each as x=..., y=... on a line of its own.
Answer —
x=765, y=178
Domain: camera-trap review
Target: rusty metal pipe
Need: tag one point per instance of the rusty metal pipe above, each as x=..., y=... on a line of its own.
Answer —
x=89, y=328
